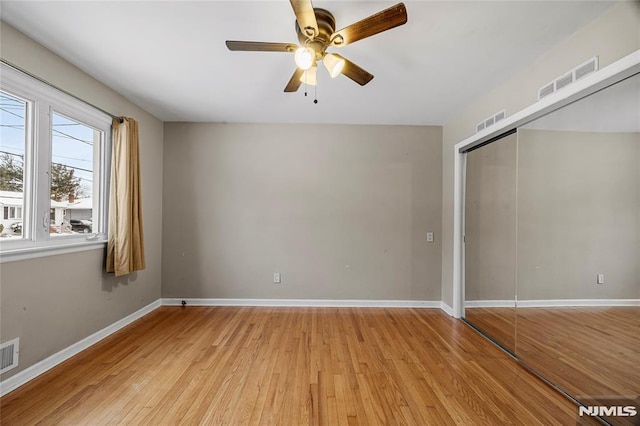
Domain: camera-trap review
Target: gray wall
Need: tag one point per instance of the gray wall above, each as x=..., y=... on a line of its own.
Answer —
x=578, y=215
x=53, y=302
x=340, y=211
x=611, y=36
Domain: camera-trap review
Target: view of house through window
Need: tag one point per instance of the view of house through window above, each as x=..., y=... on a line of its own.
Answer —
x=72, y=177
x=12, y=151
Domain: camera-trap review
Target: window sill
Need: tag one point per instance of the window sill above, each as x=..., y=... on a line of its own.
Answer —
x=25, y=253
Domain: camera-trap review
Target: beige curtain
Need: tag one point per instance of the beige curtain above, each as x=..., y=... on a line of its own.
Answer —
x=125, y=247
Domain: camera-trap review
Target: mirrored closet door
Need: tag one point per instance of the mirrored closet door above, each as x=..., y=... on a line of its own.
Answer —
x=579, y=247
x=490, y=240
x=552, y=247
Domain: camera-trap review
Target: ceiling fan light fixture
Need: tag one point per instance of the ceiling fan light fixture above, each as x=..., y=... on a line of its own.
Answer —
x=334, y=64
x=305, y=57
x=310, y=76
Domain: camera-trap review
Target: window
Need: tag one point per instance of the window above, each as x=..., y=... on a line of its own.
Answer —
x=12, y=212
x=71, y=191
x=53, y=168
x=13, y=112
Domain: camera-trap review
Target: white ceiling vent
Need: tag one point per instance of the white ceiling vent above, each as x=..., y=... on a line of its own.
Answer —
x=500, y=116
x=9, y=355
x=587, y=68
x=480, y=126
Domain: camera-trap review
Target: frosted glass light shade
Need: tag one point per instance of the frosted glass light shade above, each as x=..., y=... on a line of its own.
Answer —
x=310, y=76
x=304, y=57
x=333, y=64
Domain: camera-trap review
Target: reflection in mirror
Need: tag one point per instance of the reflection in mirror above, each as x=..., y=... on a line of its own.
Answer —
x=490, y=244
x=578, y=249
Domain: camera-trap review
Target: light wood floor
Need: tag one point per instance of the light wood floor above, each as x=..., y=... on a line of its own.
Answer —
x=591, y=352
x=499, y=323
x=289, y=366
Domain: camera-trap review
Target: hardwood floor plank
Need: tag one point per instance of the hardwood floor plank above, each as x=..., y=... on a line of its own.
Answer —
x=262, y=366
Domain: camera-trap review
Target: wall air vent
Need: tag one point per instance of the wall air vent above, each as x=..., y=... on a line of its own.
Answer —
x=564, y=81
x=587, y=68
x=488, y=122
x=9, y=355
x=546, y=90
x=491, y=120
x=569, y=77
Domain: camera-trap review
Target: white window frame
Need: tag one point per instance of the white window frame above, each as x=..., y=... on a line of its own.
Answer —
x=43, y=101
x=14, y=212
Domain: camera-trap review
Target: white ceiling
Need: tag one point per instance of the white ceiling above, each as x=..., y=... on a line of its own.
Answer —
x=169, y=57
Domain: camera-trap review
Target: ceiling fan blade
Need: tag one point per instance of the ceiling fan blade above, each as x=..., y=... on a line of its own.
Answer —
x=295, y=81
x=258, y=46
x=306, y=17
x=354, y=72
x=374, y=24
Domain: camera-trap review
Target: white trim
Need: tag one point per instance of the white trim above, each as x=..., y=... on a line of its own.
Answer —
x=577, y=303
x=558, y=303
x=50, y=250
x=446, y=308
x=619, y=70
x=458, y=234
x=46, y=364
x=316, y=303
x=490, y=304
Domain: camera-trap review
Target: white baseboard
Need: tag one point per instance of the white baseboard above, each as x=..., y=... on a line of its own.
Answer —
x=577, y=303
x=558, y=303
x=490, y=304
x=46, y=364
x=446, y=308
x=315, y=303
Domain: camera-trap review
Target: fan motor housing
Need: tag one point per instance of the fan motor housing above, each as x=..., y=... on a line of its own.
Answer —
x=326, y=28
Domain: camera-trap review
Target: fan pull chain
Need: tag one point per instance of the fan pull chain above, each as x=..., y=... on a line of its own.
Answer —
x=306, y=87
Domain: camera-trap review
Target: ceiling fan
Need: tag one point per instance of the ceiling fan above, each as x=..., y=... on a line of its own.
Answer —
x=316, y=30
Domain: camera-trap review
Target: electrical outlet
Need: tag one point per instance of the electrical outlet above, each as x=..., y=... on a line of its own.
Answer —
x=600, y=278
x=276, y=278
x=429, y=237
